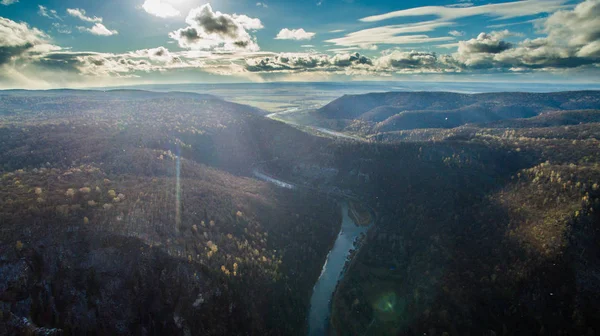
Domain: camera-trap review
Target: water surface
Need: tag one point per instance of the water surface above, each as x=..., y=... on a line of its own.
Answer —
x=330, y=275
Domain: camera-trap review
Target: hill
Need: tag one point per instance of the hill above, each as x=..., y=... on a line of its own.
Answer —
x=130, y=212
x=394, y=111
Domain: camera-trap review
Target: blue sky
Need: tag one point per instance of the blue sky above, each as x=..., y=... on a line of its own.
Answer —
x=93, y=43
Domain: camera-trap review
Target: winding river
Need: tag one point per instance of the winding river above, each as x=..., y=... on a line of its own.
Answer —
x=333, y=269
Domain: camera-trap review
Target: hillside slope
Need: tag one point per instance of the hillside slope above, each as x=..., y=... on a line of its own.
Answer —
x=394, y=111
x=129, y=213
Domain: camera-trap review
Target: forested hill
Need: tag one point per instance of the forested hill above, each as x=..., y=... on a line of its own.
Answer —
x=393, y=111
x=132, y=213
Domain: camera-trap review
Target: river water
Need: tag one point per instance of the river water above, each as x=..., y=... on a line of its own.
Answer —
x=333, y=269
x=320, y=302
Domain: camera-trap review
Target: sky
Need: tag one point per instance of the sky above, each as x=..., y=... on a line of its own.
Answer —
x=67, y=43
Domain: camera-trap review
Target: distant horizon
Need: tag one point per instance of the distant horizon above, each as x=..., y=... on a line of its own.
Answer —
x=347, y=83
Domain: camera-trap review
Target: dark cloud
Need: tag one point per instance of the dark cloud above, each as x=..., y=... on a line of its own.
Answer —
x=346, y=60
x=7, y=53
x=484, y=43
x=186, y=36
x=18, y=40
x=214, y=23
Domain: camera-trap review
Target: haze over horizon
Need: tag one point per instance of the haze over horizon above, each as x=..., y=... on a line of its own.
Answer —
x=75, y=44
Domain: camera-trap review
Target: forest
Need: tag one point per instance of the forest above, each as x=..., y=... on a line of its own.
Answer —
x=130, y=212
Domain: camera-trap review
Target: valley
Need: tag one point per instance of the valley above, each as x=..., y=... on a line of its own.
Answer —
x=194, y=215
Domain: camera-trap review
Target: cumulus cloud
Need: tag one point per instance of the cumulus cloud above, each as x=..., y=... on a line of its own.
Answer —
x=160, y=54
x=210, y=30
x=18, y=40
x=580, y=28
x=354, y=63
x=160, y=8
x=302, y=62
x=573, y=40
x=98, y=29
x=491, y=43
x=8, y=2
x=92, y=64
x=417, y=61
x=294, y=34
x=81, y=14
x=456, y=33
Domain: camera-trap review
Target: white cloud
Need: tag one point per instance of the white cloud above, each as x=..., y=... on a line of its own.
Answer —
x=456, y=33
x=18, y=40
x=61, y=28
x=337, y=31
x=160, y=8
x=80, y=14
x=160, y=54
x=479, y=51
x=8, y=2
x=392, y=35
x=579, y=28
x=248, y=22
x=98, y=29
x=307, y=46
x=573, y=40
x=502, y=25
x=49, y=13
x=505, y=10
x=262, y=4
x=448, y=45
x=213, y=30
x=294, y=34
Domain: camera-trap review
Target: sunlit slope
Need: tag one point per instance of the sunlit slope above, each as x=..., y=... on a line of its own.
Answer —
x=118, y=217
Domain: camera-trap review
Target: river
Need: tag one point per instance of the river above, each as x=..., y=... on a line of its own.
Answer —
x=320, y=302
x=333, y=269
